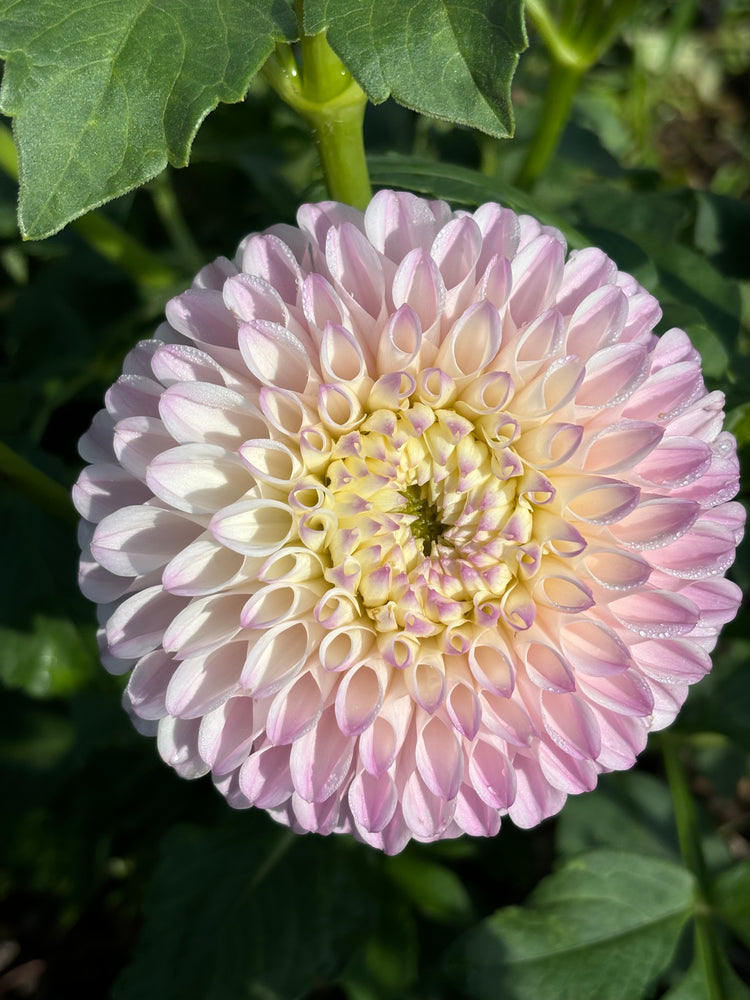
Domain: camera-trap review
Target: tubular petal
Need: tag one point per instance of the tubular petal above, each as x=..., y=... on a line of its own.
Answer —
x=404, y=523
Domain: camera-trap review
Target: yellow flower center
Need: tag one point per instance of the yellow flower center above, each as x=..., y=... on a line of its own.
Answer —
x=426, y=519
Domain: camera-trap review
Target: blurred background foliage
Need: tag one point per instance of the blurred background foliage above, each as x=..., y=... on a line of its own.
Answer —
x=116, y=875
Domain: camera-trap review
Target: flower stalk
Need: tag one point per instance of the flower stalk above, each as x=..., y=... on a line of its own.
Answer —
x=574, y=44
x=36, y=485
x=325, y=94
x=562, y=86
x=706, y=945
x=170, y=215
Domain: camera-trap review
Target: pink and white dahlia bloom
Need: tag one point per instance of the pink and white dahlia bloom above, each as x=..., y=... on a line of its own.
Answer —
x=404, y=522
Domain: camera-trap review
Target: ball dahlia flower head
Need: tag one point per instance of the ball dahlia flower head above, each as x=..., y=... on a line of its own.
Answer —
x=403, y=522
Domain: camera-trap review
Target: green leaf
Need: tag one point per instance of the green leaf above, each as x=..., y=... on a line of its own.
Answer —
x=738, y=422
x=629, y=810
x=684, y=278
x=105, y=94
x=389, y=962
x=731, y=898
x=249, y=909
x=461, y=185
x=721, y=228
x=605, y=925
x=433, y=889
x=721, y=702
x=52, y=660
x=452, y=59
x=689, y=279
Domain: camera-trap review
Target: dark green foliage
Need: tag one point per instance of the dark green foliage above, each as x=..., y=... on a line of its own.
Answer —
x=122, y=879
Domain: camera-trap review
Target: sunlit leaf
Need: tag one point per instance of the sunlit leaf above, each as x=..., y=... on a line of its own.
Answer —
x=451, y=59
x=105, y=94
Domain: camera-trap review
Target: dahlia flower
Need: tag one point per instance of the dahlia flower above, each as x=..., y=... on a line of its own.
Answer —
x=403, y=522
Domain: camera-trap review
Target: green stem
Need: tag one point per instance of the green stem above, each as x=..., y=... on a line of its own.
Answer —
x=168, y=209
x=561, y=50
x=116, y=245
x=686, y=820
x=342, y=153
x=36, y=485
x=324, y=75
x=561, y=87
x=331, y=102
x=103, y=235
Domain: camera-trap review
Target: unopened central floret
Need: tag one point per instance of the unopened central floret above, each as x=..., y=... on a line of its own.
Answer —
x=421, y=513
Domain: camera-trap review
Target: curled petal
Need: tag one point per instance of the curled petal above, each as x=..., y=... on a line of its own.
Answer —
x=295, y=710
x=419, y=284
x=148, y=684
x=439, y=758
x=464, y=709
x=426, y=814
x=537, y=273
x=396, y=221
x=203, y=567
x=356, y=266
x=204, y=624
x=276, y=657
x=456, y=250
x=472, y=343
x=594, y=648
x=656, y=614
x=137, y=626
x=372, y=800
x=320, y=759
x=202, y=412
x=133, y=541
x=621, y=446
x=102, y=489
x=226, y=735
x=198, y=478
x=359, y=697
x=425, y=681
x=201, y=683
x=274, y=355
x=177, y=741
x=401, y=342
x=253, y=527
x=597, y=322
x=403, y=523
x=492, y=776
x=270, y=258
